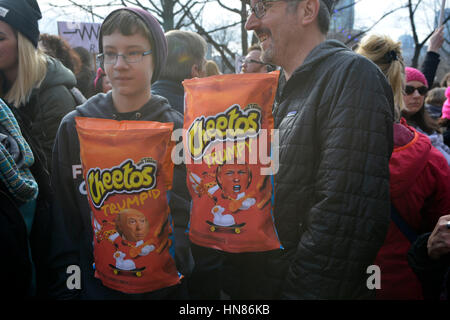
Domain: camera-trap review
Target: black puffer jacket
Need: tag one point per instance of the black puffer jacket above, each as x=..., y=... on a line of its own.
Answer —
x=48, y=104
x=335, y=117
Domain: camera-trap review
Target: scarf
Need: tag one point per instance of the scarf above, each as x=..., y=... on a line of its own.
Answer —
x=17, y=178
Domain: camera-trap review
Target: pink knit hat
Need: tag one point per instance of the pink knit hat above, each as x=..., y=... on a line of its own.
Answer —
x=413, y=74
x=446, y=106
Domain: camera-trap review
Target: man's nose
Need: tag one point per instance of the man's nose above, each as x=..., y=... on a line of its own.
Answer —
x=252, y=22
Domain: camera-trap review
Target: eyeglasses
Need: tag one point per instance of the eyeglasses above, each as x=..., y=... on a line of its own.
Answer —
x=260, y=8
x=410, y=90
x=131, y=57
x=247, y=61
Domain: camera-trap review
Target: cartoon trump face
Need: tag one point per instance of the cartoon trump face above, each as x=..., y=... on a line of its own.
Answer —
x=132, y=225
x=233, y=179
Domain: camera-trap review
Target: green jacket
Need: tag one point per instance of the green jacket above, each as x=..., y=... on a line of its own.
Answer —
x=48, y=104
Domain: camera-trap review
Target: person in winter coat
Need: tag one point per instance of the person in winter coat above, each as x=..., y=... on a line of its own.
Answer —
x=185, y=60
x=35, y=251
x=434, y=101
x=429, y=257
x=334, y=117
x=29, y=80
x=419, y=179
x=414, y=96
x=58, y=48
x=444, y=121
x=126, y=37
x=101, y=82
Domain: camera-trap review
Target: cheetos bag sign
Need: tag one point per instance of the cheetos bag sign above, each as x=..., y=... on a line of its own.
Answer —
x=228, y=124
x=128, y=173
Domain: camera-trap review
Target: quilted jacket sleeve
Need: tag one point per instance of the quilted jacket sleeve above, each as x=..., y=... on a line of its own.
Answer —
x=348, y=220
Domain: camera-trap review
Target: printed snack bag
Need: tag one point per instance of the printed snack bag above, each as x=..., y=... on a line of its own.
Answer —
x=228, y=122
x=128, y=173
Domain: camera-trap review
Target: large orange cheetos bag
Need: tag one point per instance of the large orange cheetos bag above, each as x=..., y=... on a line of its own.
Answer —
x=128, y=173
x=227, y=141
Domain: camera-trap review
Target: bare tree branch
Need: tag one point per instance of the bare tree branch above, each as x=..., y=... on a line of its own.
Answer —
x=363, y=32
x=228, y=8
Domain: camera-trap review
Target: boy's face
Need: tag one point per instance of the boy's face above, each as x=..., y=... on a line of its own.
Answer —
x=128, y=79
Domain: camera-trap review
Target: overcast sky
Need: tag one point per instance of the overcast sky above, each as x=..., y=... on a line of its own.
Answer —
x=366, y=12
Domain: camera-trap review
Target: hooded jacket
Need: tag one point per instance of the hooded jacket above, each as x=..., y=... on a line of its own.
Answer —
x=420, y=191
x=48, y=104
x=172, y=91
x=331, y=209
x=71, y=197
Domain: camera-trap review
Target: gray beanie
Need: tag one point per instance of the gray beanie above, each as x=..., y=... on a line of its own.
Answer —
x=158, y=41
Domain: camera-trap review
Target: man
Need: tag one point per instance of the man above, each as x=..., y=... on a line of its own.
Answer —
x=334, y=118
x=185, y=60
x=252, y=62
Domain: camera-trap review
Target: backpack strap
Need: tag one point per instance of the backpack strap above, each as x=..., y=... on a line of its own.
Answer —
x=402, y=225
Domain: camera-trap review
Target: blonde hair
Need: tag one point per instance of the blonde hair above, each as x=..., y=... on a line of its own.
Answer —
x=212, y=68
x=32, y=68
x=387, y=55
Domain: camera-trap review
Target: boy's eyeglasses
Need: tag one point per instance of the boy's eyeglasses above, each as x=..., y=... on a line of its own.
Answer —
x=132, y=57
x=410, y=90
x=260, y=8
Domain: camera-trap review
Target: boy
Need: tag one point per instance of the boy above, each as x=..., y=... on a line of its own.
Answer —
x=133, y=49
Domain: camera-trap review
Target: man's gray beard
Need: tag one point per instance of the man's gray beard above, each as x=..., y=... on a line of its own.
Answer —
x=267, y=56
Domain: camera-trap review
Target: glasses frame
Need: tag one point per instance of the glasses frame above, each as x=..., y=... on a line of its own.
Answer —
x=422, y=90
x=101, y=57
x=247, y=61
x=260, y=9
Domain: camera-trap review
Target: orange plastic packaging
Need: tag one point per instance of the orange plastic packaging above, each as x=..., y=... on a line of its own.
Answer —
x=128, y=173
x=228, y=124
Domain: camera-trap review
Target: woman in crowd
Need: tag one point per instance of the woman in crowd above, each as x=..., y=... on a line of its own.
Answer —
x=444, y=121
x=419, y=184
x=59, y=49
x=31, y=81
x=415, y=114
x=101, y=82
x=87, y=72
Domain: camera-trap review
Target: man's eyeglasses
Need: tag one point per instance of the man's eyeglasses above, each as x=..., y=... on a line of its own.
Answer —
x=410, y=90
x=131, y=57
x=260, y=8
x=247, y=61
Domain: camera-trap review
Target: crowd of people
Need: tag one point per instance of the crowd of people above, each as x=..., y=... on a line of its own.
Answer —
x=364, y=156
